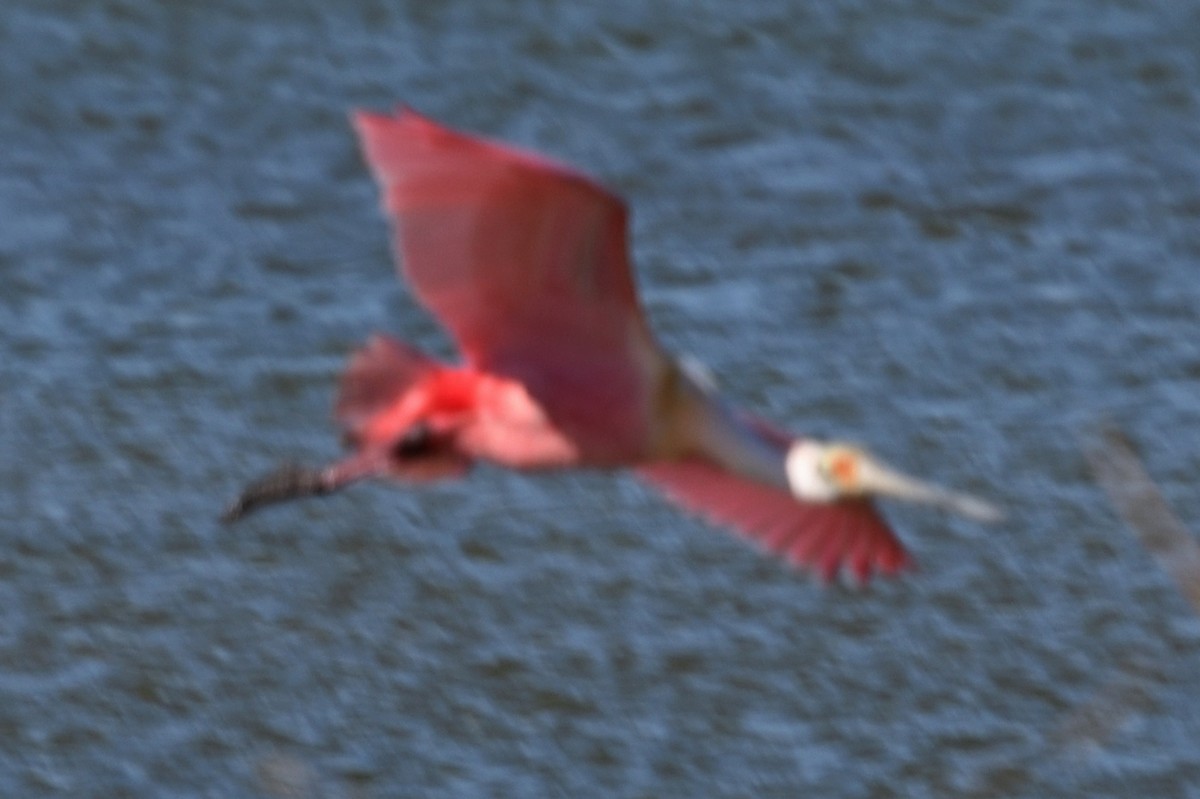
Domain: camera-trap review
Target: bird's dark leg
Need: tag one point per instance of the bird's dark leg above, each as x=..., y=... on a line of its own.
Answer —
x=294, y=482
x=287, y=482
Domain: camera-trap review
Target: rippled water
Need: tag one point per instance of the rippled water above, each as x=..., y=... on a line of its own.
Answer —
x=961, y=233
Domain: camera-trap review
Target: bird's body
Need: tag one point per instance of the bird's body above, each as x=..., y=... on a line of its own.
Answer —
x=525, y=263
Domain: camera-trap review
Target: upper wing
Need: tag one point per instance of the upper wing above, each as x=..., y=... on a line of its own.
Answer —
x=825, y=537
x=523, y=260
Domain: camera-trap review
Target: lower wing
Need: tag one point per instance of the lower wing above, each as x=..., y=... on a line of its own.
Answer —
x=827, y=538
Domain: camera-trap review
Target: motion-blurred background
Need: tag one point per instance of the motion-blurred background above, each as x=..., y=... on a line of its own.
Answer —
x=961, y=233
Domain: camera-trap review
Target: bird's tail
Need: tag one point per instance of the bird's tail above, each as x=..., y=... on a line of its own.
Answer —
x=377, y=375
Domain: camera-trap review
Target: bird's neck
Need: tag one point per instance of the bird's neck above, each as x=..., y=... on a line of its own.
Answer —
x=709, y=428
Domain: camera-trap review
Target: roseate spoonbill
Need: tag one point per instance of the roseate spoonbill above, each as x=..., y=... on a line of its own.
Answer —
x=525, y=262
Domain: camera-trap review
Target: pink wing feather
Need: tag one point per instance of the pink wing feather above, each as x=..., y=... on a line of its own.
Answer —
x=525, y=262
x=823, y=537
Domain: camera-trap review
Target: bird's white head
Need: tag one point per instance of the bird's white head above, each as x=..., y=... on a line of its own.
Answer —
x=823, y=472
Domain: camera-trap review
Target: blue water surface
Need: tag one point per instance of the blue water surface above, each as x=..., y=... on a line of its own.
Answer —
x=962, y=233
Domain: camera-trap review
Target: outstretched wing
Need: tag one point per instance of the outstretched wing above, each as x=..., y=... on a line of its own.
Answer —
x=523, y=260
x=827, y=538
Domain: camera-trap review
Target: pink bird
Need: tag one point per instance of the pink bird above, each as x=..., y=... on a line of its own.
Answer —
x=525, y=262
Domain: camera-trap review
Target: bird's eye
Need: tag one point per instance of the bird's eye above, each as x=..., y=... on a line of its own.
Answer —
x=840, y=467
x=417, y=440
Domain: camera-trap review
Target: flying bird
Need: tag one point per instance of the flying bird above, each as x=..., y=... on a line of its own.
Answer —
x=525, y=262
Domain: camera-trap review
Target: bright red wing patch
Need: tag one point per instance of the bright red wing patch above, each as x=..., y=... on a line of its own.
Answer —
x=825, y=538
x=524, y=261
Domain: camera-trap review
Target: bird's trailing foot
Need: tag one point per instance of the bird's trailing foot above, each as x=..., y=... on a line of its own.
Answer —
x=289, y=481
